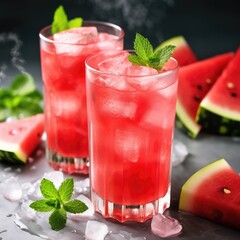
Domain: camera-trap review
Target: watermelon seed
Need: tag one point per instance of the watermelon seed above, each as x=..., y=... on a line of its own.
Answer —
x=197, y=98
x=199, y=87
x=226, y=191
x=233, y=94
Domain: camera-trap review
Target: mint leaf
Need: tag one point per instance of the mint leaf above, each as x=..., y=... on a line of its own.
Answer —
x=60, y=20
x=48, y=189
x=146, y=56
x=76, y=22
x=58, y=219
x=75, y=206
x=20, y=99
x=143, y=47
x=41, y=206
x=56, y=201
x=22, y=84
x=61, y=23
x=164, y=54
x=136, y=60
x=65, y=191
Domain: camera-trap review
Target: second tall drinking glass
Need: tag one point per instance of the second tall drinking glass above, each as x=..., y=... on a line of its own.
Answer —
x=63, y=72
x=131, y=121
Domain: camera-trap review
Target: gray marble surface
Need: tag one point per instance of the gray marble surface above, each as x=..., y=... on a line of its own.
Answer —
x=203, y=150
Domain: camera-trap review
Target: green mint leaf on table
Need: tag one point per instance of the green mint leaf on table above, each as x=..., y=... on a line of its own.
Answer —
x=58, y=201
x=75, y=206
x=41, y=206
x=58, y=219
x=61, y=22
x=146, y=56
x=21, y=98
x=48, y=189
x=66, y=190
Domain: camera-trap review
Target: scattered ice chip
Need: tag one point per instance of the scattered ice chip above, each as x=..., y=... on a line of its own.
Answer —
x=116, y=64
x=56, y=177
x=12, y=189
x=136, y=79
x=82, y=186
x=115, y=236
x=34, y=190
x=88, y=213
x=96, y=230
x=70, y=41
x=179, y=152
x=165, y=226
x=29, y=212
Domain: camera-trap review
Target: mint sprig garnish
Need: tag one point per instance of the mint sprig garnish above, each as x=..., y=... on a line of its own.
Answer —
x=21, y=98
x=58, y=201
x=146, y=56
x=61, y=22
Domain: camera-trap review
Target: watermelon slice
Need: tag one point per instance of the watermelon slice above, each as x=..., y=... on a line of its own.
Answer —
x=19, y=138
x=195, y=80
x=213, y=193
x=183, y=52
x=219, y=112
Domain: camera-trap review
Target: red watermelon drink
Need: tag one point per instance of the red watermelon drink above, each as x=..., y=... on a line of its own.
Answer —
x=131, y=120
x=63, y=72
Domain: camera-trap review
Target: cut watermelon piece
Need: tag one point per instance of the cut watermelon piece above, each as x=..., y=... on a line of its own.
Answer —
x=183, y=52
x=219, y=111
x=213, y=193
x=19, y=138
x=195, y=80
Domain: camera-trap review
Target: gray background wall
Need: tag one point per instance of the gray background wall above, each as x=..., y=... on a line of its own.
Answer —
x=210, y=26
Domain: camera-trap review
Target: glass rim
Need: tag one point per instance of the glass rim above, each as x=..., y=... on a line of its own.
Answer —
x=89, y=58
x=94, y=22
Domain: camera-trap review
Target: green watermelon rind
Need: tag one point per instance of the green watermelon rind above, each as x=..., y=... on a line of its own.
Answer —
x=197, y=179
x=12, y=153
x=217, y=120
x=176, y=41
x=185, y=122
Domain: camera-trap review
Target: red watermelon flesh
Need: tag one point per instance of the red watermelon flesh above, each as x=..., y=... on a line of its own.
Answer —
x=19, y=138
x=183, y=53
x=213, y=193
x=224, y=97
x=195, y=80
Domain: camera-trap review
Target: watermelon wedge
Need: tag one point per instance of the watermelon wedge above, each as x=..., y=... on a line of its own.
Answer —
x=19, y=138
x=213, y=193
x=195, y=80
x=183, y=52
x=219, y=111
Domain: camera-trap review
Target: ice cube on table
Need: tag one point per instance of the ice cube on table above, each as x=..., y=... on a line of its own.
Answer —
x=88, y=213
x=28, y=211
x=82, y=185
x=12, y=189
x=179, y=152
x=165, y=226
x=70, y=41
x=135, y=77
x=55, y=176
x=96, y=230
x=116, y=64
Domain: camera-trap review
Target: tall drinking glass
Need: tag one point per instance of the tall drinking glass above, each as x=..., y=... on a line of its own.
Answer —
x=63, y=73
x=131, y=123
